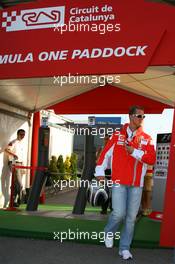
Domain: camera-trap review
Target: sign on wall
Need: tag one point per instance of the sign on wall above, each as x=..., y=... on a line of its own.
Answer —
x=162, y=155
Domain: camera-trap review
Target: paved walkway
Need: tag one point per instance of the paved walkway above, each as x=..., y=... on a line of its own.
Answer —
x=63, y=198
x=27, y=251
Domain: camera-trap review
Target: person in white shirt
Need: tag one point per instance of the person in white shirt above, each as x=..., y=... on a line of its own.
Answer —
x=15, y=155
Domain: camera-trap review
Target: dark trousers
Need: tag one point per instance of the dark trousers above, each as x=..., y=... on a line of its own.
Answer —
x=17, y=190
x=108, y=203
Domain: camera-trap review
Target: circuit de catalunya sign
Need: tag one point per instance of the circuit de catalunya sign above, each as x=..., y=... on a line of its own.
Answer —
x=50, y=38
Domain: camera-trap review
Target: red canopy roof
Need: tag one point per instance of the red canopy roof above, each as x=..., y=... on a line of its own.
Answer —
x=107, y=100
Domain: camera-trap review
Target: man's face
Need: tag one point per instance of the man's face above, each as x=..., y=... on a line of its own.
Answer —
x=137, y=118
x=21, y=135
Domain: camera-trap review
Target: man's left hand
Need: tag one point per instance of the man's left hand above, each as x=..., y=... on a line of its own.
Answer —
x=129, y=149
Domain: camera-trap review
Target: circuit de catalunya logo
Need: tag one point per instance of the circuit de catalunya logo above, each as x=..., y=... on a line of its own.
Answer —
x=33, y=18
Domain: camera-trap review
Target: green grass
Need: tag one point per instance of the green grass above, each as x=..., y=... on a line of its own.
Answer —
x=61, y=207
x=14, y=224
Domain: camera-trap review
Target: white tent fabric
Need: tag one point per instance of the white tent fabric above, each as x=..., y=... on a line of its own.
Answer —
x=158, y=83
x=31, y=95
x=8, y=125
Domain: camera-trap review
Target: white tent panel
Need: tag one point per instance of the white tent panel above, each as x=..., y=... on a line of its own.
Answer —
x=157, y=83
x=35, y=94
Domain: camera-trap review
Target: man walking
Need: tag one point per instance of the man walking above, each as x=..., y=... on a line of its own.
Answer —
x=131, y=151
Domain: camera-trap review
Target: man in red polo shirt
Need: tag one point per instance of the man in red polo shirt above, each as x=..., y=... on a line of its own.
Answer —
x=131, y=151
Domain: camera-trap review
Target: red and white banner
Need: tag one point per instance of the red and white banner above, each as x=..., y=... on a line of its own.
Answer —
x=33, y=18
x=48, y=38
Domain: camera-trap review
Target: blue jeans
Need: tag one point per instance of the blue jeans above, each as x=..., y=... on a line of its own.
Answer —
x=125, y=203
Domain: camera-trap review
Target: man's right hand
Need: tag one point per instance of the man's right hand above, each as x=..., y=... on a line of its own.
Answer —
x=100, y=178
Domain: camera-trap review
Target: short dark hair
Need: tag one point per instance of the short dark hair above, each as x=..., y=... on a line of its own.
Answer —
x=133, y=108
x=20, y=131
